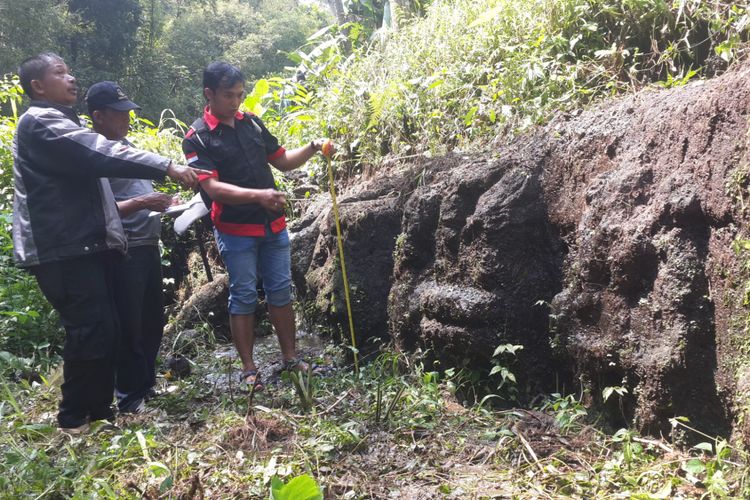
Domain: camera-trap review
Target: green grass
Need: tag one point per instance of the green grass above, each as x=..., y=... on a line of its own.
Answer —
x=210, y=438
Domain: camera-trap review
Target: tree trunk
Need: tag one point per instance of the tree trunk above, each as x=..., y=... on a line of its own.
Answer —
x=338, y=9
x=399, y=12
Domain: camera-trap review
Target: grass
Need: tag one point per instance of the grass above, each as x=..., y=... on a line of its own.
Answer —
x=396, y=429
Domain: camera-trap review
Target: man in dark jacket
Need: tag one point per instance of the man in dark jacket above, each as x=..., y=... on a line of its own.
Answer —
x=247, y=210
x=67, y=231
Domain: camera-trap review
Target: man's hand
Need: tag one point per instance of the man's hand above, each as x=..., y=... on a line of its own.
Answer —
x=158, y=202
x=270, y=199
x=187, y=176
x=289, y=160
x=325, y=146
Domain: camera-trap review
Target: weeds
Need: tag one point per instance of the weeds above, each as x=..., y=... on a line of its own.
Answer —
x=393, y=428
x=567, y=410
x=304, y=384
x=476, y=70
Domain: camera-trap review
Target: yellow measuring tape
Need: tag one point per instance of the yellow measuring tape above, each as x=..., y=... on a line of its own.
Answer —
x=326, y=149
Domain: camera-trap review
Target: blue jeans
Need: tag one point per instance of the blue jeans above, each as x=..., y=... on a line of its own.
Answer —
x=249, y=258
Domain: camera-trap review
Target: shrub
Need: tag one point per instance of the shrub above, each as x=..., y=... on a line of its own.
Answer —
x=471, y=70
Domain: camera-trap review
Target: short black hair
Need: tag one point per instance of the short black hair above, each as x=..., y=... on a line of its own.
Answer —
x=34, y=68
x=221, y=74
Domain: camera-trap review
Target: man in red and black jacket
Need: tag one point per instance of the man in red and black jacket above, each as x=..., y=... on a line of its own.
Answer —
x=247, y=210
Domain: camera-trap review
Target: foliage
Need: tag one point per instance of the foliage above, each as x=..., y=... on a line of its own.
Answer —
x=503, y=359
x=305, y=385
x=375, y=14
x=476, y=69
x=301, y=487
x=615, y=389
x=10, y=98
x=30, y=27
x=164, y=137
x=568, y=410
x=211, y=441
x=157, y=49
x=105, y=37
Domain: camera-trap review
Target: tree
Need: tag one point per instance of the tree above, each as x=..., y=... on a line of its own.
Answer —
x=281, y=27
x=106, y=36
x=30, y=27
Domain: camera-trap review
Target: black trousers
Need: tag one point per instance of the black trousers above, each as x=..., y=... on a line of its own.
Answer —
x=138, y=295
x=82, y=292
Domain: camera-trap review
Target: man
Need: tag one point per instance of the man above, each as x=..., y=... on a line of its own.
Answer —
x=67, y=232
x=138, y=279
x=247, y=210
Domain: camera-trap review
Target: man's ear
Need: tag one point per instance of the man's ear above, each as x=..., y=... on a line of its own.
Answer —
x=37, y=87
x=96, y=116
x=208, y=93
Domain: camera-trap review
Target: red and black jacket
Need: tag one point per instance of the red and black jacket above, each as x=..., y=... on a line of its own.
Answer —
x=236, y=155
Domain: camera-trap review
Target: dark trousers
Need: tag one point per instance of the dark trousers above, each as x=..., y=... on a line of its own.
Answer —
x=81, y=290
x=138, y=295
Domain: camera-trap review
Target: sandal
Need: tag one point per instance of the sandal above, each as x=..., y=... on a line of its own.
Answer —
x=251, y=379
x=299, y=365
x=294, y=364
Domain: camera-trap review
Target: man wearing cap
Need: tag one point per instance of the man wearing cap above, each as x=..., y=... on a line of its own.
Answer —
x=138, y=281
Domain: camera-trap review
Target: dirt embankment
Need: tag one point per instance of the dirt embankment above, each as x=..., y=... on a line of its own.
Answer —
x=601, y=242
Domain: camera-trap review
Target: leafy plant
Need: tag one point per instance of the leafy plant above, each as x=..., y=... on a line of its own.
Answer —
x=631, y=450
x=502, y=359
x=614, y=389
x=567, y=410
x=520, y=62
x=304, y=384
x=302, y=487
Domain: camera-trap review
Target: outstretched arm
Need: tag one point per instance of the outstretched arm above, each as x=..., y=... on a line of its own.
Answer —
x=295, y=158
x=89, y=154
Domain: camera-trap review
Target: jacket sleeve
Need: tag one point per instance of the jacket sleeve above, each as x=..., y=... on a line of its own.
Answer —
x=197, y=156
x=79, y=151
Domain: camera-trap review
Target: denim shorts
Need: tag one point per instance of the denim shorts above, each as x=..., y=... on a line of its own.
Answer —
x=249, y=258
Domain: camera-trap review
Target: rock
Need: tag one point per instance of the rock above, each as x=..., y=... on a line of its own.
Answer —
x=207, y=304
x=601, y=243
x=370, y=223
x=178, y=367
x=638, y=304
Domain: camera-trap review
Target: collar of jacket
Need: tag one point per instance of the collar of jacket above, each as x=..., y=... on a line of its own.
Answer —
x=66, y=110
x=212, y=122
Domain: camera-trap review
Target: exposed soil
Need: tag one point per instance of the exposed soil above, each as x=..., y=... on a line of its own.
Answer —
x=601, y=243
